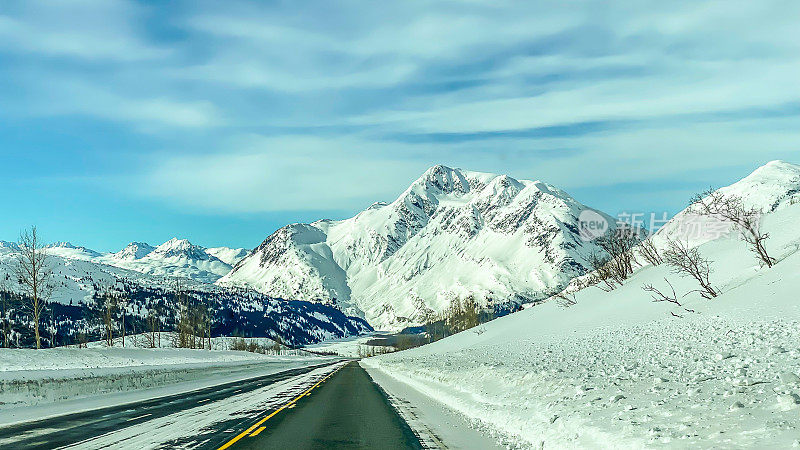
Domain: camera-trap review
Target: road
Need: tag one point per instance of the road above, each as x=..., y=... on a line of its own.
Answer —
x=347, y=411
x=323, y=408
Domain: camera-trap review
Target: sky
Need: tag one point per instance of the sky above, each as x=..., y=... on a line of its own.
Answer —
x=222, y=121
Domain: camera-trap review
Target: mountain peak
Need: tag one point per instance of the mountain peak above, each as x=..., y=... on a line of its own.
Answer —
x=134, y=250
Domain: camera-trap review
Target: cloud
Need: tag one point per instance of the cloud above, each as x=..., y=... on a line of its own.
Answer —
x=85, y=29
x=69, y=97
x=346, y=103
x=282, y=174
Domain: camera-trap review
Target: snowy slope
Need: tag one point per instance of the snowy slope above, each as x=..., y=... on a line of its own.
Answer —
x=618, y=370
x=230, y=256
x=769, y=188
x=451, y=234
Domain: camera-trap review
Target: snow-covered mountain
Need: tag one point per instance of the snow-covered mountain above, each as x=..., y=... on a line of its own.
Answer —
x=451, y=234
x=133, y=251
x=229, y=256
x=174, y=258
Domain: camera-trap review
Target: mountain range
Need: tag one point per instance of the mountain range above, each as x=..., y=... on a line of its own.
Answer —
x=453, y=234
x=176, y=257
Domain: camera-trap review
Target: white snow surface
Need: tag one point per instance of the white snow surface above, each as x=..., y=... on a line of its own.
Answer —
x=451, y=234
x=351, y=346
x=34, y=383
x=618, y=370
x=13, y=361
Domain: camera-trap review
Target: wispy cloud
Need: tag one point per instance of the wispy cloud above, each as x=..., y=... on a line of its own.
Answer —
x=260, y=173
x=85, y=29
x=349, y=101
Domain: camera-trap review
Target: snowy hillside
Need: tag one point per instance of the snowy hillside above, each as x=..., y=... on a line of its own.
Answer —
x=230, y=256
x=451, y=234
x=619, y=370
x=769, y=188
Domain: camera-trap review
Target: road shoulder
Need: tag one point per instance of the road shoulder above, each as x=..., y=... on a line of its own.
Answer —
x=436, y=425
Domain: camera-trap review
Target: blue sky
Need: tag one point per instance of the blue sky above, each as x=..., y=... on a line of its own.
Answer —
x=222, y=121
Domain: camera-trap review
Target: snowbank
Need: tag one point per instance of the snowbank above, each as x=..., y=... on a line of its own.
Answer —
x=618, y=370
x=34, y=377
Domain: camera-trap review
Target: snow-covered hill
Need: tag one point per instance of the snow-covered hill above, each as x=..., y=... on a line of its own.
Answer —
x=617, y=370
x=769, y=188
x=451, y=234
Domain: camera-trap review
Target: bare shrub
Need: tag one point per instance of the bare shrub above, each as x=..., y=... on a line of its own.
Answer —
x=613, y=266
x=648, y=251
x=658, y=296
x=566, y=299
x=731, y=208
x=685, y=261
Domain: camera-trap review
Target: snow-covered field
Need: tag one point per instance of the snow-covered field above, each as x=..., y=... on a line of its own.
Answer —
x=352, y=347
x=619, y=370
x=47, y=381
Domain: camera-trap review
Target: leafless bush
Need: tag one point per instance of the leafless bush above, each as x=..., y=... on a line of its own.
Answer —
x=685, y=261
x=648, y=251
x=613, y=266
x=566, y=299
x=731, y=208
x=658, y=296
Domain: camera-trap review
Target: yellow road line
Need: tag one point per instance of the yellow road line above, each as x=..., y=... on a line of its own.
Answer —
x=260, y=422
x=255, y=433
x=140, y=417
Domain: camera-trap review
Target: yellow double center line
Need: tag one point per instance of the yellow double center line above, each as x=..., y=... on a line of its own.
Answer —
x=260, y=422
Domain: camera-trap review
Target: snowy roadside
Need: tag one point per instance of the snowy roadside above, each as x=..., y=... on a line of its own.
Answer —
x=618, y=370
x=435, y=424
x=38, y=383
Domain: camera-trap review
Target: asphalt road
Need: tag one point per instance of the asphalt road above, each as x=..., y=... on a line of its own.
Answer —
x=344, y=410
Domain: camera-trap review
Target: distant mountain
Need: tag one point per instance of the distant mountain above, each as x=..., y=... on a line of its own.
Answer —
x=174, y=258
x=133, y=251
x=451, y=234
x=69, y=250
x=79, y=280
